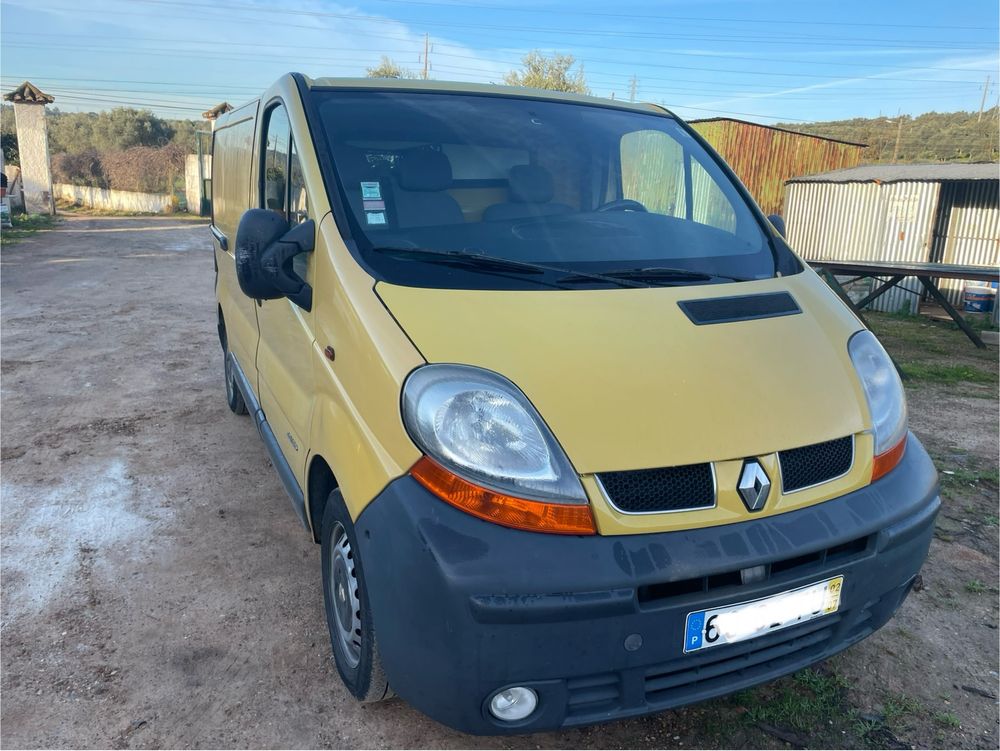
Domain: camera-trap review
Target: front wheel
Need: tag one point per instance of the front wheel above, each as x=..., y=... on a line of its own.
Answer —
x=348, y=612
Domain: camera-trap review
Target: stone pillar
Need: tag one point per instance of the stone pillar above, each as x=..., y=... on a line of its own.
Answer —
x=33, y=147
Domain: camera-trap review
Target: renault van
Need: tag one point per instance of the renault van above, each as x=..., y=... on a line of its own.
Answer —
x=580, y=436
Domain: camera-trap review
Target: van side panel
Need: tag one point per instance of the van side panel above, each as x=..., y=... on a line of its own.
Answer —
x=232, y=156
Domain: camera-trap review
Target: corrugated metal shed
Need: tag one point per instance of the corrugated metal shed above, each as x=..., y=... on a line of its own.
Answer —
x=894, y=173
x=948, y=213
x=764, y=157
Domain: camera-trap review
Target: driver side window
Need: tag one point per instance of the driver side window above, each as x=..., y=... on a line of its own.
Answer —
x=282, y=186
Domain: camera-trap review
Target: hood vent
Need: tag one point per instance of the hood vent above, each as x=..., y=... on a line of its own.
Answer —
x=740, y=308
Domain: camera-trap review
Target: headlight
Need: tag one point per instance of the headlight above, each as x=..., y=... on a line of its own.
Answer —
x=488, y=448
x=886, y=401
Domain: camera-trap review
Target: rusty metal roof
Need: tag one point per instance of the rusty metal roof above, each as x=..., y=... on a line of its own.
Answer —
x=772, y=127
x=899, y=173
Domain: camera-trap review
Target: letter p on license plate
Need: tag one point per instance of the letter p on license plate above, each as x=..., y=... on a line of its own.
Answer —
x=748, y=620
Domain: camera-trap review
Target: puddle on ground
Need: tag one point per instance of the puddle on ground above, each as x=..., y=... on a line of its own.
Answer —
x=47, y=529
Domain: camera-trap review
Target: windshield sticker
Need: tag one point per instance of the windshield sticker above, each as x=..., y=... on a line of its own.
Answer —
x=374, y=205
x=375, y=217
x=371, y=191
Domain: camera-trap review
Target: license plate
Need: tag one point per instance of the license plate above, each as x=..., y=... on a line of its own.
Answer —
x=747, y=620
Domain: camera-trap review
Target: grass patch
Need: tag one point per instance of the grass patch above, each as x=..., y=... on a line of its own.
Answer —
x=934, y=352
x=943, y=373
x=25, y=225
x=811, y=699
x=947, y=719
x=976, y=587
x=899, y=706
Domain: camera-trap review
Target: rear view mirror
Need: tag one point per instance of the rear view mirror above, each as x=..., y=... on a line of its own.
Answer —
x=778, y=223
x=265, y=247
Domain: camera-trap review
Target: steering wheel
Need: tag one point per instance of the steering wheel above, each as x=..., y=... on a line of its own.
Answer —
x=622, y=204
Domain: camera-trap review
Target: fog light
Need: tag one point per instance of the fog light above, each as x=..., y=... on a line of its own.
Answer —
x=513, y=704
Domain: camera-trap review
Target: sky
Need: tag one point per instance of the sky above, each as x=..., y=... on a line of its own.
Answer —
x=762, y=60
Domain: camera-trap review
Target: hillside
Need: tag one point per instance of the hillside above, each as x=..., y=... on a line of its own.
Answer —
x=931, y=137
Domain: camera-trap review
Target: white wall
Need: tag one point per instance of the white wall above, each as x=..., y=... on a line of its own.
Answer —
x=115, y=200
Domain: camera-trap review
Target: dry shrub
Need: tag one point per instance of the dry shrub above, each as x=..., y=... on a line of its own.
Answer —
x=144, y=168
x=83, y=168
x=141, y=168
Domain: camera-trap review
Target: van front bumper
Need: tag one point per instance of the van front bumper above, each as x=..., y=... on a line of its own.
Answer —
x=595, y=625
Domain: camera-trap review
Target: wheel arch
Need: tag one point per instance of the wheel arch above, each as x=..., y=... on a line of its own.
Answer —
x=221, y=324
x=320, y=482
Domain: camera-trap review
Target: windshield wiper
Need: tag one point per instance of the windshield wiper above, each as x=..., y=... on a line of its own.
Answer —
x=483, y=262
x=658, y=273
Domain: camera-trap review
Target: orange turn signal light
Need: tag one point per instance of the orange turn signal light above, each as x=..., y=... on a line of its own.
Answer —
x=519, y=513
x=887, y=460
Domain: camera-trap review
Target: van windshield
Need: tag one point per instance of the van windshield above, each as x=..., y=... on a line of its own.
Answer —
x=494, y=192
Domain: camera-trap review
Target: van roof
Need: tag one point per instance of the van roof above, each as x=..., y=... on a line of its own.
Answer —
x=287, y=84
x=461, y=87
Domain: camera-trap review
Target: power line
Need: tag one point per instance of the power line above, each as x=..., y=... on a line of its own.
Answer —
x=296, y=48
x=380, y=19
x=769, y=22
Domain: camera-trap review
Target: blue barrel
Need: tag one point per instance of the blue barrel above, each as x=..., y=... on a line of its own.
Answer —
x=979, y=299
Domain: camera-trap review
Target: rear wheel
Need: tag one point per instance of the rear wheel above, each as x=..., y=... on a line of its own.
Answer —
x=348, y=612
x=234, y=397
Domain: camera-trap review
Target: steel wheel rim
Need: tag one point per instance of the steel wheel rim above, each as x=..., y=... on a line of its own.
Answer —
x=344, y=596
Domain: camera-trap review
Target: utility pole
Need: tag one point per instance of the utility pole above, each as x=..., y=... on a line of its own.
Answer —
x=899, y=135
x=632, y=87
x=982, y=102
x=427, y=49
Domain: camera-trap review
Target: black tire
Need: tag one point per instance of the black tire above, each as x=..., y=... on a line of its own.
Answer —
x=356, y=656
x=234, y=397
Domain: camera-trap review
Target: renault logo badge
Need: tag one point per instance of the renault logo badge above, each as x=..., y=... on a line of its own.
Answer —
x=754, y=485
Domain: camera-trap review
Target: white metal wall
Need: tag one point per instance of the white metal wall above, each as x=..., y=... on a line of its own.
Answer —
x=864, y=222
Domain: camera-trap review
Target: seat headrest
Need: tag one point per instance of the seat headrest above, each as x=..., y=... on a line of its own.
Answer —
x=424, y=170
x=529, y=183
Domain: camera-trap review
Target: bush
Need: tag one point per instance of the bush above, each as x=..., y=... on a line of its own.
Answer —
x=144, y=168
x=83, y=168
x=141, y=168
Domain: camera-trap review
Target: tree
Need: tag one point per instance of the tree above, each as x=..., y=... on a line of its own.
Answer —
x=541, y=72
x=387, y=68
x=124, y=127
x=8, y=135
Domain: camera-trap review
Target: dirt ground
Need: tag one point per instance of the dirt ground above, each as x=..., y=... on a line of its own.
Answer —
x=158, y=590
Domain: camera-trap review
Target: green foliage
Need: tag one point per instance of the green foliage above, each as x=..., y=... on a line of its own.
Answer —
x=931, y=137
x=8, y=135
x=387, y=68
x=945, y=373
x=807, y=702
x=553, y=73
x=116, y=130
x=975, y=587
x=947, y=719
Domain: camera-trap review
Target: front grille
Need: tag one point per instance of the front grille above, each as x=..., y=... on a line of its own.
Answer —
x=775, y=653
x=712, y=672
x=811, y=465
x=665, y=489
x=653, y=594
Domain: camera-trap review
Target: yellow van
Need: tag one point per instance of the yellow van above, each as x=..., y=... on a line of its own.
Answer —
x=580, y=436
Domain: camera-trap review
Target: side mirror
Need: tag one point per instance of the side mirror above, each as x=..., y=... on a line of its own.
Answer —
x=264, y=251
x=778, y=223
